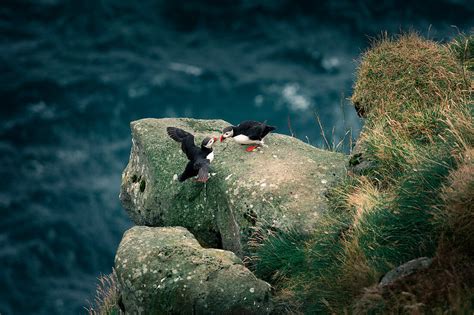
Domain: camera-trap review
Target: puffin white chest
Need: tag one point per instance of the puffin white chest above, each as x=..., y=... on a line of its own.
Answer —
x=210, y=156
x=243, y=139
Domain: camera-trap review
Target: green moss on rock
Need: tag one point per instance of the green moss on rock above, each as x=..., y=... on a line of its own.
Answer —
x=281, y=185
x=166, y=271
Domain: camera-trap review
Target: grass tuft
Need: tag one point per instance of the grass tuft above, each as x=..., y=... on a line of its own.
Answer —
x=457, y=214
x=278, y=254
x=106, y=301
x=463, y=48
x=406, y=73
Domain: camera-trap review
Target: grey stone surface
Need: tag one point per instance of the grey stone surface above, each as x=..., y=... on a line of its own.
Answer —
x=281, y=185
x=406, y=269
x=166, y=271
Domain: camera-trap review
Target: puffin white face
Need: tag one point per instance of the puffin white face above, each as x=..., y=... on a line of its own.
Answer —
x=210, y=143
x=226, y=133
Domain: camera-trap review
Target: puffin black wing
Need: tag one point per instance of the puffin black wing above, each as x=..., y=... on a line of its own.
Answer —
x=247, y=124
x=186, y=139
x=267, y=130
x=258, y=132
x=177, y=134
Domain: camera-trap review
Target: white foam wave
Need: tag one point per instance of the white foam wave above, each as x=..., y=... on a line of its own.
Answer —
x=185, y=68
x=296, y=100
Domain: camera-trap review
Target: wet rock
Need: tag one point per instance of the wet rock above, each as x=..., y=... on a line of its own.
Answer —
x=166, y=271
x=281, y=186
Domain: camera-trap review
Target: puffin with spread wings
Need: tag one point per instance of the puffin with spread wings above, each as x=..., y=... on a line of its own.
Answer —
x=248, y=132
x=200, y=158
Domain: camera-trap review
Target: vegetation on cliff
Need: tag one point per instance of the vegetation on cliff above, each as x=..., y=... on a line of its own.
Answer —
x=409, y=193
x=107, y=296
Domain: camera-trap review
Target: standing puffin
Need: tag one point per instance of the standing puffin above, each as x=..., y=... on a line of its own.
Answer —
x=247, y=132
x=199, y=158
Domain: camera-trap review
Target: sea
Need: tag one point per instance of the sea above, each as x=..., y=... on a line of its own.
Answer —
x=74, y=74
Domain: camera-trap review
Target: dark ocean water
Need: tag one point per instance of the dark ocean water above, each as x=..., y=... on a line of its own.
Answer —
x=75, y=73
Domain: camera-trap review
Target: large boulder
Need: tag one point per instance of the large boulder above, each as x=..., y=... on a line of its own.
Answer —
x=166, y=271
x=281, y=186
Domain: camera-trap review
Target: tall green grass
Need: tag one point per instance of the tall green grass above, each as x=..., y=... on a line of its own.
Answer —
x=281, y=255
x=463, y=48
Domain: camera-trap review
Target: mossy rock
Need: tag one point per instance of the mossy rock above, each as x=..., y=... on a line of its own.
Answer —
x=280, y=186
x=166, y=271
x=406, y=74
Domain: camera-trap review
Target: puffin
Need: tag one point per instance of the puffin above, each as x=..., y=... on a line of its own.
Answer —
x=199, y=158
x=247, y=132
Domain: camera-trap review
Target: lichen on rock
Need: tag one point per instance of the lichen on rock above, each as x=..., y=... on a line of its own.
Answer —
x=281, y=185
x=166, y=271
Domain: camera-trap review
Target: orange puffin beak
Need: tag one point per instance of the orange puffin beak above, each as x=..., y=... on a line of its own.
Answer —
x=222, y=138
x=215, y=139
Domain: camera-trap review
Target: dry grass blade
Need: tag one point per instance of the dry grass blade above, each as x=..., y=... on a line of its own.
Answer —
x=106, y=300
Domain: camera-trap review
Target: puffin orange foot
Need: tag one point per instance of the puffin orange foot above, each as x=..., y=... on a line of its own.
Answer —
x=251, y=148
